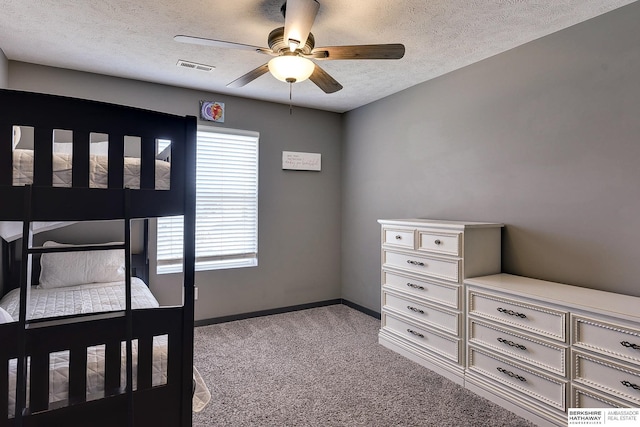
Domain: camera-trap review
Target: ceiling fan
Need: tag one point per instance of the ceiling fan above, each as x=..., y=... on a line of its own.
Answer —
x=293, y=47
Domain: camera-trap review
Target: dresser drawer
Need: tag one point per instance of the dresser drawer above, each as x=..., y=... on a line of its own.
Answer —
x=616, y=379
x=523, y=347
x=439, y=344
x=437, y=267
x=402, y=238
x=443, y=319
x=443, y=293
x=517, y=377
x=442, y=243
x=534, y=318
x=606, y=338
x=585, y=398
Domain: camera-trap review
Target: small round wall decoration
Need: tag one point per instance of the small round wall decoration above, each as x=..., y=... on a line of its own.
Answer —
x=212, y=111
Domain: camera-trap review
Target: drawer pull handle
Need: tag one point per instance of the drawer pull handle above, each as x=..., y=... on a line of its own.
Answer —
x=628, y=344
x=398, y=237
x=418, y=334
x=421, y=264
x=512, y=313
x=437, y=242
x=511, y=374
x=414, y=286
x=416, y=310
x=512, y=344
x=628, y=384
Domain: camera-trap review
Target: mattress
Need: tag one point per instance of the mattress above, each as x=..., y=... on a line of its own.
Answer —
x=89, y=298
x=92, y=298
x=98, y=167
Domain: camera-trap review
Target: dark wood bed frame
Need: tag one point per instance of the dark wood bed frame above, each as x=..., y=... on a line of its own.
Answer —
x=34, y=340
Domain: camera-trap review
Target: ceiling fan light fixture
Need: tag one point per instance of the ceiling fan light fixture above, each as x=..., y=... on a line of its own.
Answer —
x=291, y=68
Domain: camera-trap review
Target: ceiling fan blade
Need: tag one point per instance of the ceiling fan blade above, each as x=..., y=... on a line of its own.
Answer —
x=364, y=51
x=324, y=81
x=220, y=43
x=298, y=19
x=249, y=77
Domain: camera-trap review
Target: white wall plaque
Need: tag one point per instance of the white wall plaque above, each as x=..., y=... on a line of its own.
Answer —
x=301, y=161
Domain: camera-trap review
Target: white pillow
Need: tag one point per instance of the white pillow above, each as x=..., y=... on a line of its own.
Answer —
x=99, y=148
x=5, y=317
x=95, y=149
x=75, y=268
x=63, y=147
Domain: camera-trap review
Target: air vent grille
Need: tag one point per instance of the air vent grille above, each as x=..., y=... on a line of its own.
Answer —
x=195, y=66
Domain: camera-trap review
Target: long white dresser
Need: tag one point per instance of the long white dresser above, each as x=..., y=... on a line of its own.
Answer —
x=539, y=347
x=424, y=263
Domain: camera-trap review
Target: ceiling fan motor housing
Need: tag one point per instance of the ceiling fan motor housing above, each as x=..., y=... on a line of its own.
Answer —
x=278, y=44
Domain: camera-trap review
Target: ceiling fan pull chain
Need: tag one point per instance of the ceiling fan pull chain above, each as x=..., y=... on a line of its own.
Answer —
x=290, y=102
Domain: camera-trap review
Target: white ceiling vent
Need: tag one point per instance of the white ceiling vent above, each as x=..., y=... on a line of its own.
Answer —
x=195, y=66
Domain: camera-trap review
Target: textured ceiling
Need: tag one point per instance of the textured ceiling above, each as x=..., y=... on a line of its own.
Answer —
x=134, y=39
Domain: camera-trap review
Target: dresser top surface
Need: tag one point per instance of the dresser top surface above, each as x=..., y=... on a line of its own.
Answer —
x=434, y=223
x=604, y=302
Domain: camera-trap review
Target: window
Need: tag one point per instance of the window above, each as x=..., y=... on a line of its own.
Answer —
x=226, y=205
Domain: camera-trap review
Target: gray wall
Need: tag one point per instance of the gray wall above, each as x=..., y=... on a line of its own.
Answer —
x=544, y=138
x=299, y=212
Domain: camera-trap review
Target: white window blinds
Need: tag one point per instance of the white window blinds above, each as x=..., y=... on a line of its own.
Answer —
x=226, y=205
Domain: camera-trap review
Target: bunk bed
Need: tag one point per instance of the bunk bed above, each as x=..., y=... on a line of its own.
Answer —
x=126, y=361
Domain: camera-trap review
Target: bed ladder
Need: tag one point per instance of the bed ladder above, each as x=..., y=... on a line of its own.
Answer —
x=28, y=250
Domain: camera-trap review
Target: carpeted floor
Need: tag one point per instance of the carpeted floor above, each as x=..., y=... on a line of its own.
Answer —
x=324, y=367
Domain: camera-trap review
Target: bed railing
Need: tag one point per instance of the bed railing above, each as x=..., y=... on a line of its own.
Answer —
x=76, y=335
x=46, y=114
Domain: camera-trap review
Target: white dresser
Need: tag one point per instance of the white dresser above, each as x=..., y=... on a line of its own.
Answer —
x=424, y=263
x=539, y=347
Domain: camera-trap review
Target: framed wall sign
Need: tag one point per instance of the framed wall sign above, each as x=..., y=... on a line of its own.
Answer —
x=294, y=160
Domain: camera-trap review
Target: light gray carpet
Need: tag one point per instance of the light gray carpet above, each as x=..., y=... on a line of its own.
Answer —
x=324, y=367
